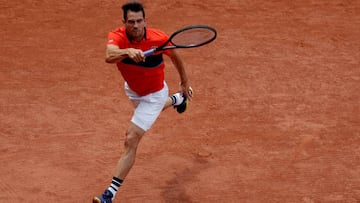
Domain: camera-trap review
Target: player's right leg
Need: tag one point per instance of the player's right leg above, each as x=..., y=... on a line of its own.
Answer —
x=132, y=140
x=148, y=108
x=125, y=163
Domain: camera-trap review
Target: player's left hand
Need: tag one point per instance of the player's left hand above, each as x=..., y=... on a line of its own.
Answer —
x=187, y=90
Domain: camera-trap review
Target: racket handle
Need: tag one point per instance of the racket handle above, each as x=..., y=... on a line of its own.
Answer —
x=149, y=52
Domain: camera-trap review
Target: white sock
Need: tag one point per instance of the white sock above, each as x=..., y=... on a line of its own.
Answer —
x=177, y=99
x=114, y=186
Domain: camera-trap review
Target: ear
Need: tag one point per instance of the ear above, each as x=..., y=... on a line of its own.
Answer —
x=123, y=21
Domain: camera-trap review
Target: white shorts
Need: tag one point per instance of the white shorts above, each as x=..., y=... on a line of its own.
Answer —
x=148, y=107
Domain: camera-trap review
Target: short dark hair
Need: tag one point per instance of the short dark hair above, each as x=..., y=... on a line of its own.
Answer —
x=134, y=6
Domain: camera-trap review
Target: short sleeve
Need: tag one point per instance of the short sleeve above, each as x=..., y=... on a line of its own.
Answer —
x=114, y=39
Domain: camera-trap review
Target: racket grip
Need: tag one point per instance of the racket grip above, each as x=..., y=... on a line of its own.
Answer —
x=149, y=52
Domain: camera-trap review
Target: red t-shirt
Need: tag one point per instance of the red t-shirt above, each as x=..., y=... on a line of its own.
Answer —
x=145, y=77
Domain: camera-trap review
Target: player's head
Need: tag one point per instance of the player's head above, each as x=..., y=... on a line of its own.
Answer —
x=134, y=19
x=134, y=6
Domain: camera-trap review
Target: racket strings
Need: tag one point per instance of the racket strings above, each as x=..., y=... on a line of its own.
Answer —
x=193, y=37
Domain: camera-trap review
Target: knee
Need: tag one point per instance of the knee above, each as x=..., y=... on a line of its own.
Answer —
x=132, y=139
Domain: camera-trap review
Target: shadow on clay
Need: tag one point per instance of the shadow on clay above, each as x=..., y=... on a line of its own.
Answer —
x=175, y=189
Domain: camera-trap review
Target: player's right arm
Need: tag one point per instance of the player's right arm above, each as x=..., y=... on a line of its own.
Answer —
x=114, y=54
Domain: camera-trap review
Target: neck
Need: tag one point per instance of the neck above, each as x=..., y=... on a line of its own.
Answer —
x=136, y=39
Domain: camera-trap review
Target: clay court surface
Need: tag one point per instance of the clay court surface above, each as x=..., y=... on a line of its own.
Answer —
x=275, y=116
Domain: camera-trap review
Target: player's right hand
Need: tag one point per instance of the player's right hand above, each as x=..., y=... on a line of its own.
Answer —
x=136, y=55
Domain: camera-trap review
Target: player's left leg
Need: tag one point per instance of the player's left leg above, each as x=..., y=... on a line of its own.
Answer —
x=179, y=101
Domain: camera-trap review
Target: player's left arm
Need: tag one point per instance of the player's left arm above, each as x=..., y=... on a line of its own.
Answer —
x=179, y=65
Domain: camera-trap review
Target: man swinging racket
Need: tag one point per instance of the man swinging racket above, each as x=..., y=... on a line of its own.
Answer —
x=144, y=84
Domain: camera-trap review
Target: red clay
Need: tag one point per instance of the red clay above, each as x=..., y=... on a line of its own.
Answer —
x=275, y=116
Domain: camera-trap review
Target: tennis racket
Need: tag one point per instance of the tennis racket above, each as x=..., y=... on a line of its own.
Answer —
x=187, y=37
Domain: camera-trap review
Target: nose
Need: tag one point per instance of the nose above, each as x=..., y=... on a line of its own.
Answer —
x=137, y=24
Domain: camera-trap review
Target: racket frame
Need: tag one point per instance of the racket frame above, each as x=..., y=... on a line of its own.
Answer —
x=174, y=46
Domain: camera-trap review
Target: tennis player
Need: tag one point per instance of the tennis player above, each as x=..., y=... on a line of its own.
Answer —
x=144, y=84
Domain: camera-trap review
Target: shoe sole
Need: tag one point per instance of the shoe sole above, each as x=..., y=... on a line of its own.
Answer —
x=96, y=200
x=186, y=105
x=182, y=110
